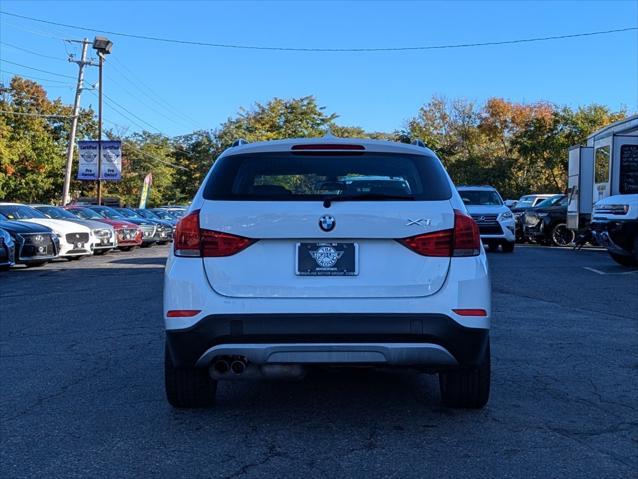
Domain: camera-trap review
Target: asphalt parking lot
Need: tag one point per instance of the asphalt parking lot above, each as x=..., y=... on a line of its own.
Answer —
x=81, y=388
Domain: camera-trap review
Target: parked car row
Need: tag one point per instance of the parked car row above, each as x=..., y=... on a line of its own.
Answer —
x=536, y=218
x=33, y=235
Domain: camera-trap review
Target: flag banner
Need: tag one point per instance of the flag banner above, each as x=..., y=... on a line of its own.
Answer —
x=146, y=188
x=111, y=160
x=88, y=151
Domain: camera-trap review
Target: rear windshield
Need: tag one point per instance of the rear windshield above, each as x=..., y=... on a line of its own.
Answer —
x=291, y=177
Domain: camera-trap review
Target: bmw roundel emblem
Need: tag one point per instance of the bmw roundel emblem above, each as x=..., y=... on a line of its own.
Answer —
x=327, y=223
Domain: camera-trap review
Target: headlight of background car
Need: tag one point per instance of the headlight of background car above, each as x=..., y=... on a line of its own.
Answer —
x=506, y=216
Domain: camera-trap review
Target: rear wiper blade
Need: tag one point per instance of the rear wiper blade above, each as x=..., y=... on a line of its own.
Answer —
x=366, y=197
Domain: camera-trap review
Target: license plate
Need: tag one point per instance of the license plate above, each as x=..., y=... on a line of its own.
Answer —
x=327, y=259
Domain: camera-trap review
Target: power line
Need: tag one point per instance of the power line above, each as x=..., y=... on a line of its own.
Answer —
x=35, y=78
x=140, y=101
x=38, y=69
x=119, y=109
x=32, y=52
x=41, y=115
x=33, y=32
x=145, y=89
x=130, y=112
x=329, y=50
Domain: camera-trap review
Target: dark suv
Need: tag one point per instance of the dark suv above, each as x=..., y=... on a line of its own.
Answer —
x=547, y=223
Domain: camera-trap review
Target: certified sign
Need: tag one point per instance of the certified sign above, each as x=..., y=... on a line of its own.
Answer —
x=88, y=151
x=111, y=167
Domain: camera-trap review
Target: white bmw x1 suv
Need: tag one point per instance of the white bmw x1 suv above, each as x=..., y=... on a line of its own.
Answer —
x=332, y=252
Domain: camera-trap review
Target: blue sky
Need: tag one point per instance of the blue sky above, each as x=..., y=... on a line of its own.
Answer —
x=179, y=88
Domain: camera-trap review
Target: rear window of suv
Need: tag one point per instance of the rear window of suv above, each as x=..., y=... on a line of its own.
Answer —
x=294, y=177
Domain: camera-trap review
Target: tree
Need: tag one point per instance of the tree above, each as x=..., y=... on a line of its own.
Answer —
x=32, y=142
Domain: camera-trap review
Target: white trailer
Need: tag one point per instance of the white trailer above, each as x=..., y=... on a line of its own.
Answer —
x=604, y=174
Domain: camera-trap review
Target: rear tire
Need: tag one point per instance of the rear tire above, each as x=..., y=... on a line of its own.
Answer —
x=125, y=248
x=187, y=387
x=467, y=388
x=623, y=260
x=508, y=247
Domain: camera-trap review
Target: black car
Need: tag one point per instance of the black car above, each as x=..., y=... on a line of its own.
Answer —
x=547, y=223
x=7, y=250
x=149, y=228
x=34, y=244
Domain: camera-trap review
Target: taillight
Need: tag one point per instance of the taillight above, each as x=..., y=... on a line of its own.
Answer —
x=467, y=239
x=463, y=240
x=438, y=243
x=186, y=241
x=192, y=241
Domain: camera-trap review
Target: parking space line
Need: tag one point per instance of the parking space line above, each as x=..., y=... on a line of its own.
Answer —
x=597, y=271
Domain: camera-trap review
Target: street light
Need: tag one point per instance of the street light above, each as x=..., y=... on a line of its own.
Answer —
x=103, y=46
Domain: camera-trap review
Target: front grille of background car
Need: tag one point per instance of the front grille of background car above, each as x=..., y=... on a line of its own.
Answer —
x=484, y=219
x=36, y=245
x=102, y=233
x=488, y=224
x=148, y=231
x=77, y=238
x=130, y=232
x=490, y=229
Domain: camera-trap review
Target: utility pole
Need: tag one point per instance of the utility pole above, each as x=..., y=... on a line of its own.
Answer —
x=74, y=122
x=99, y=133
x=103, y=47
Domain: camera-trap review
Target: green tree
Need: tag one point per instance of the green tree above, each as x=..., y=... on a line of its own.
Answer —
x=33, y=142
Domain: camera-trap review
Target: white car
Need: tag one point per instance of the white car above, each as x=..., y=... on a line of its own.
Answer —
x=495, y=220
x=75, y=240
x=272, y=272
x=103, y=237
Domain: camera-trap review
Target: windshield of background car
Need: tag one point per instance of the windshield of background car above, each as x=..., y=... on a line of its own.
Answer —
x=86, y=213
x=553, y=201
x=127, y=213
x=56, y=213
x=20, y=212
x=304, y=177
x=525, y=201
x=164, y=215
x=481, y=197
x=107, y=212
x=147, y=214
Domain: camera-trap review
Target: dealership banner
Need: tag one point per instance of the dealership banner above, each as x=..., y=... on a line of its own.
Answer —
x=148, y=181
x=88, y=151
x=111, y=160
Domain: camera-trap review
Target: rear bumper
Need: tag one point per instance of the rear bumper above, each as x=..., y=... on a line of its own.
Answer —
x=420, y=340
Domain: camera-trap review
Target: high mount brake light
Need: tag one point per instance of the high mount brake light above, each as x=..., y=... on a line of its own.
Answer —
x=327, y=146
x=192, y=241
x=463, y=240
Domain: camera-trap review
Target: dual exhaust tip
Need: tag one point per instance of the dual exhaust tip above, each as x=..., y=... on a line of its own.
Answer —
x=223, y=366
